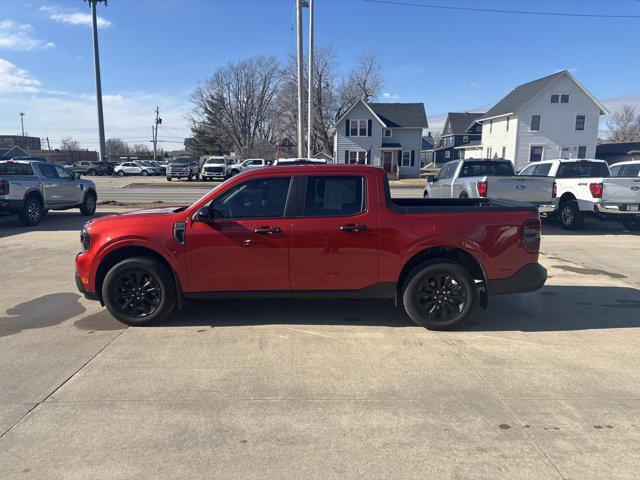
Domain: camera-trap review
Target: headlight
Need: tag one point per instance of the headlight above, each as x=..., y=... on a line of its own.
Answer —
x=85, y=240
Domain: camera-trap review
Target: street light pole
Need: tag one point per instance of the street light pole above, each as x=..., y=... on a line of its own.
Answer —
x=22, y=122
x=310, y=112
x=96, y=62
x=300, y=88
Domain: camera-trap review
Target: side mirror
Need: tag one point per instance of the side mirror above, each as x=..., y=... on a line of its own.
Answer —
x=434, y=179
x=204, y=215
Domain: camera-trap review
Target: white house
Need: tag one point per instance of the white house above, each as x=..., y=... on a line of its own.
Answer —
x=386, y=135
x=552, y=117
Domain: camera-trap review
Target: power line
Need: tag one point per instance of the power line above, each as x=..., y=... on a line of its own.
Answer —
x=497, y=10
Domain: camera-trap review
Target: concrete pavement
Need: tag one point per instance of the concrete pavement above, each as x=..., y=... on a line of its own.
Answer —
x=544, y=385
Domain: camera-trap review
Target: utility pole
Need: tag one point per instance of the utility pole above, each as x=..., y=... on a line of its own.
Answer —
x=299, y=5
x=49, y=147
x=96, y=62
x=22, y=122
x=310, y=112
x=154, y=131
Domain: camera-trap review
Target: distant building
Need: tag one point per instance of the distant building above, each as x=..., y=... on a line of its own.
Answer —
x=67, y=156
x=25, y=143
x=323, y=156
x=614, y=152
x=426, y=152
x=460, y=129
x=549, y=118
x=285, y=148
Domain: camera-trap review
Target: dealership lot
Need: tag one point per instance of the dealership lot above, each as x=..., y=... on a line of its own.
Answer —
x=544, y=385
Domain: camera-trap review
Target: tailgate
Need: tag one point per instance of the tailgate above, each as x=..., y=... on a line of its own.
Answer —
x=538, y=190
x=620, y=190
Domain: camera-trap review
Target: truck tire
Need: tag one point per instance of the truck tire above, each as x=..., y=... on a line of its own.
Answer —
x=32, y=212
x=169, y=179
x=138, y=291
x=89, y=203
x=425, y=194
x=464, y=195
x=570, y=215
x=439, y=293
x=631, y=224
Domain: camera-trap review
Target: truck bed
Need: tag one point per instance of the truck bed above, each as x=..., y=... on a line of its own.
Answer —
x=408, y=206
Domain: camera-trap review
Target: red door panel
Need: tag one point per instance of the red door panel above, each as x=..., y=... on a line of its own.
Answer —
x=227, y=255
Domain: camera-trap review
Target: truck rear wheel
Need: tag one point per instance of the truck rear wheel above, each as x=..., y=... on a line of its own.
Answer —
x=632, y=224
x=438, y=294
x=570, y=215
x=138, y=291
x=31, y=213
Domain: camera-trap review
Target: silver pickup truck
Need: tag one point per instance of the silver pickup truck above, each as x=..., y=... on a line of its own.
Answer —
x=31, y=188
x=479, y=178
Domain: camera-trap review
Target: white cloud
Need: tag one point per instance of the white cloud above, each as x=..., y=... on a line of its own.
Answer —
x=390, y=96
x=18, y=36
x=16, y=80
x=73, y=17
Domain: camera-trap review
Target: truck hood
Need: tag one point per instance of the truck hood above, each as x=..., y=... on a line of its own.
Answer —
x=138, y=215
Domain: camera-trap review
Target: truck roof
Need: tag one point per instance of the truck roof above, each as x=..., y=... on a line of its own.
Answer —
x=315, y=168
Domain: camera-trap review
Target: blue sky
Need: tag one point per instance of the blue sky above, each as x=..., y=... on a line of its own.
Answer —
x=155, y=52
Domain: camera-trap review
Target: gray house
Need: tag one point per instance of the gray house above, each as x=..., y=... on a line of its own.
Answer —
x=386, y=135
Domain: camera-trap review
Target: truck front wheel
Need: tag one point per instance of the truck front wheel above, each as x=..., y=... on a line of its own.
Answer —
x=139, y=291
x=570, y=215
x=438, y=294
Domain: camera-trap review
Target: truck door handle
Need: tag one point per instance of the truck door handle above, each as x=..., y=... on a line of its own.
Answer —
x=267, y=230
x=519, y=187
x=353, y=228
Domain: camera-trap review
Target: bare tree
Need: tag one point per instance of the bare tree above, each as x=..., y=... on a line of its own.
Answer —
x=141, y=149
x=364, y=82
x=117, y=146
x=624, y=125
x=238, y=101
x=68, y=143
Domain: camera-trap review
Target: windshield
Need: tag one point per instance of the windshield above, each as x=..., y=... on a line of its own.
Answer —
x=482, y=168
x=179, y=160
x=15, y=169
x=216, y=161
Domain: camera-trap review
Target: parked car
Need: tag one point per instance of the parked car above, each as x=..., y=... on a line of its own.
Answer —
x=30, y=189
x=110, y=166
x=630, y=169
x=89, y=168
x=153, y=167
x=313, y=231
x=133, y=168
x=183, y=167
x=248, y=164
x=480, y=178
x=585, y=188
x=214, y=168
x=299, y=161
x=161, y=167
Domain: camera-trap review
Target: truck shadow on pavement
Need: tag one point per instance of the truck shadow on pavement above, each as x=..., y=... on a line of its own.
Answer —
x=553, y=308
x=591, y=226
x=54, y=222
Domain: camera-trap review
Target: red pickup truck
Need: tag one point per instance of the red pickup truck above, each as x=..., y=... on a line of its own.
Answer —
x=312, y=231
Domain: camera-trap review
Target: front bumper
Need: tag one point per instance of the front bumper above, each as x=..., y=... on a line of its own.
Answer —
x=212, y=174
x=529, y=278
x=616, y=209
x=87, y=294
x=547, y=208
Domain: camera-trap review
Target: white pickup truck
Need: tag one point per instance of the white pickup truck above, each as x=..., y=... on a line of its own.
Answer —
x=479, y=178
x=246, y=165
x=585, y=187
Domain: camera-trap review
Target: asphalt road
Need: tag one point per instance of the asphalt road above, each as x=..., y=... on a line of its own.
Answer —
x=543, y=386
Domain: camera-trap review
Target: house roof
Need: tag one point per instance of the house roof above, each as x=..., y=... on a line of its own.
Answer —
x=474, y=144
x=391, y=145
x=13, y=152
x=461, y=122
x=427, y=143
x=613, y=148
x=395, y=115
x=523, y=94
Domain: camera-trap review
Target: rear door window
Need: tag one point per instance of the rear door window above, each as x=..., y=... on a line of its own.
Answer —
x=7, y=169
x=482, y=168
x=582, y=170
x=334, y=196
x=631, y=170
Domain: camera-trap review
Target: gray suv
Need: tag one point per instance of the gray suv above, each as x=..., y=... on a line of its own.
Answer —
x=31, y=188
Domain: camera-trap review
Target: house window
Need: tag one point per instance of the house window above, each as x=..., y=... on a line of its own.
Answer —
x=358, y=156
x=387, y=132
x=535, y=123
x=508, y=119
x=490, y=126
x=504, y=152
x=580, y=121
x=406, y=158
x=582, y=151
x=555, y=98
x=489, y=152
x=535, y=153
x=447, y=154
x=358, y=128
x=564, y=98
x=565, y=153
x=465, y=138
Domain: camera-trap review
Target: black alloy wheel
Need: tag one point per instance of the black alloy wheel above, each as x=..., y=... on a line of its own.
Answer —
x=31, y=213
x=136, y=293
x=441, y=297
